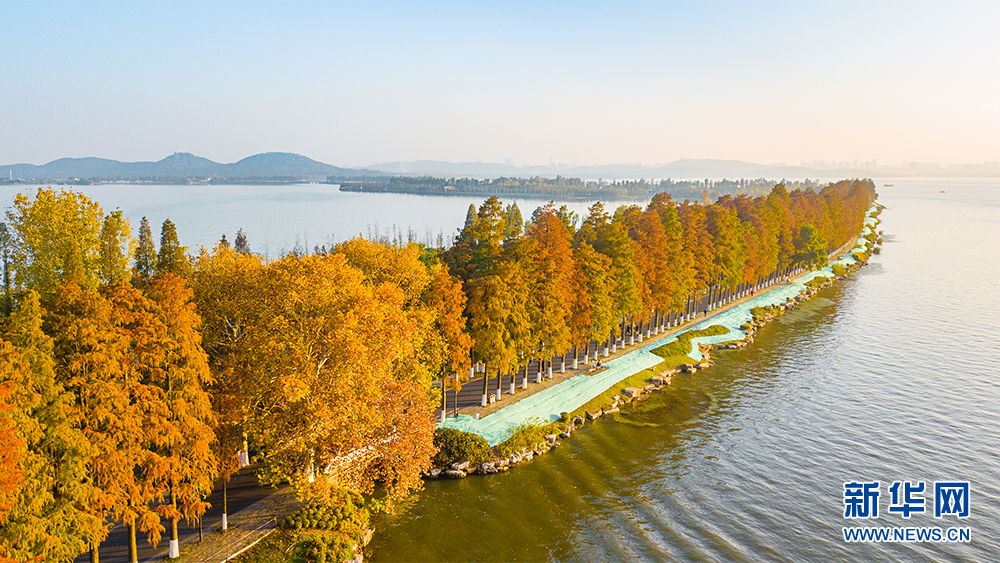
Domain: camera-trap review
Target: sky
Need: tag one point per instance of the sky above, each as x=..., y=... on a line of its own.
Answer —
x=354, y=83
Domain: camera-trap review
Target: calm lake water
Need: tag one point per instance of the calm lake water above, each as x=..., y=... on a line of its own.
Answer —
x=276, y=218
x=890, y=375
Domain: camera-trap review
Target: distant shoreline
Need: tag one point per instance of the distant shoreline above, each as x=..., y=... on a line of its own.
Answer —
x=606, y=196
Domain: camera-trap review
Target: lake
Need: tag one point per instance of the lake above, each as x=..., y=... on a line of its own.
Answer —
x=276, y=218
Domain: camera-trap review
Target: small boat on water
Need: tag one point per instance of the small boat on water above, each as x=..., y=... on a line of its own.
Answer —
x=887, y=185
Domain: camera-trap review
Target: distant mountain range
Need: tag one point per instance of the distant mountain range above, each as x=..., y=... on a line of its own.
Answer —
x=295, y=166
x=182, y=165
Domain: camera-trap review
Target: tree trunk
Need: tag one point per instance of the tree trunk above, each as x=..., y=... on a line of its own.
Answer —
x=444, y=405
x=133, y=549
x=95, y=557
x=225, y=502
x=486, y=386
x=175, y=550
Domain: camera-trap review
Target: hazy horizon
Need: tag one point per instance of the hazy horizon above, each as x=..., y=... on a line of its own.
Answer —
x=352, y=84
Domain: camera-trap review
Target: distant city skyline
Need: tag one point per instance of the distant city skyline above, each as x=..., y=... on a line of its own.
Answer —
x=352, y=84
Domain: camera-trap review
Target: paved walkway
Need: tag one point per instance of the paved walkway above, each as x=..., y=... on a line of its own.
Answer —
x=469, y=399
x=246, y=528
x=243, y=492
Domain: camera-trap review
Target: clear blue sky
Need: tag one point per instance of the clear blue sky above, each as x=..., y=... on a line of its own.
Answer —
x=353, y=83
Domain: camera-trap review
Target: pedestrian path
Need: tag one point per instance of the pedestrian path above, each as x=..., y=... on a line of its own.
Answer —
x=246, y=528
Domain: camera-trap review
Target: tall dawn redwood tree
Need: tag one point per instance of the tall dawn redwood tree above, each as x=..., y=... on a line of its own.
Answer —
x=172, y=257
x=553, y=266
x=117, y=245
x=145, y=254
x=181, y=461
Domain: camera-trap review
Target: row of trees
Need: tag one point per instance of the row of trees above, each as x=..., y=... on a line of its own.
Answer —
x=536, y=291
x=130, y=376
x=105, y=415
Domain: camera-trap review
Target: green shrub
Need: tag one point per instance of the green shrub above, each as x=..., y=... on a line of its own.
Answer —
x=526, y=435
x=877, y=250
x=860, y=256
x=454, y=445
x=342, y=511
x=817, y=281
x=564, y=416
x=331, y=547
x=839, y=269
x=682, y=346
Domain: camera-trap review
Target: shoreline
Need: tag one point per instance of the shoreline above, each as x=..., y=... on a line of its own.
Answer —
x=754, y=311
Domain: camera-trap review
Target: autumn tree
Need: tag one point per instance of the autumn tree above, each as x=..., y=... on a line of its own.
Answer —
x=698, y=240
x=611, y=239
x=677, y=258
x=42, y=231
x=449, y=345
x=724, y=226
x=181, y=460
x=144, y=257
x=591, y=306
x=479, y=247
x=231, y=299
x=6, y=256
x=320, y=374
x=172, y=257
x=488, y=308
x=810, y=248
x=117, y=245
x=553, y=266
